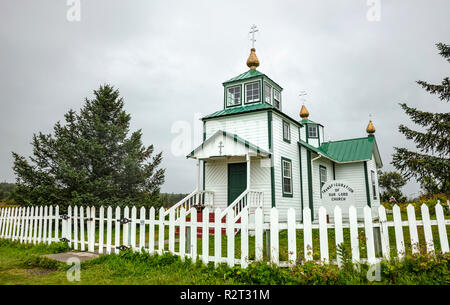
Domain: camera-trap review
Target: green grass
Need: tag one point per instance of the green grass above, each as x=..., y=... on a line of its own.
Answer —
x=23, y=264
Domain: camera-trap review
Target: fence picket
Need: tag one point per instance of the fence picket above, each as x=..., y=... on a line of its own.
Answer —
x=12, y=224
x=274, y=234
x=193, y=249
x=323, y=235
x=427, y=228
x=244, y=238
x=117, y=231
x=161, y=231
x=41, y=216
x=384, y=232
x=125, y=227
x=23, y=234
x=133, y=228
x=44, y=233
x=354, y=243
x=82, y=235
x=142, y=228
x=230, y=238
x=101, y=228
x=441, y=228
x=292, y=245
x=205, y=236
x=50, y=225
x=338, y=233
x=2, y=220
x=182, y=244
x=307, y=234
x=35, y=228
x=259, y=234
x=151, y=232
x=414, y=237
x=69, y=226
x=75, y=227
x=400, y=244
x=108, y=229
x=57, y=223
x=172, y=231
x=217, y=237
x=91, y=247
x=31, y=221
x=370, y=243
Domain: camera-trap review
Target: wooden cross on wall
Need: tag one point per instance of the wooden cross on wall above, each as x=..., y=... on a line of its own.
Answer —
x=220, y=147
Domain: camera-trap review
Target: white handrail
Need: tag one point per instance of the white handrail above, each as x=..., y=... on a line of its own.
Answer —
x=190, y=200
x=248, y=198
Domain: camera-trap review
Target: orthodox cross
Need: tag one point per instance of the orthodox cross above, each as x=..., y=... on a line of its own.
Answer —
x=220, y=148
x=303, y=93
x=252, y=32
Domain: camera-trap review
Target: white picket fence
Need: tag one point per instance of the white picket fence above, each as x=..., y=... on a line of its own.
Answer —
x=84, y=229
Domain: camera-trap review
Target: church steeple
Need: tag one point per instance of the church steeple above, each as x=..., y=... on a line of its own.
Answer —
x=304, y=114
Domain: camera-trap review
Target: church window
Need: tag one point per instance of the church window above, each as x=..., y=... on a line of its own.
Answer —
x=323, y=175
x=276, y=98
x=286, y=132
x=234, y=96
x=287, y=177
x=374, y=191
x=312, y=131
x=252, y=92
x=267, y=93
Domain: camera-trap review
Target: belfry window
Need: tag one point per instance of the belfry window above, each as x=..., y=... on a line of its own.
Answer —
x=234, y=96
x=374, y=191
x=312, y=131
x=276, y=98
x=267, y=93
x=252, y=92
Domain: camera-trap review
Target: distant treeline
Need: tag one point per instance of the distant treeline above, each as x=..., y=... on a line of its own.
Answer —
x=7, y=192
x=7, y=195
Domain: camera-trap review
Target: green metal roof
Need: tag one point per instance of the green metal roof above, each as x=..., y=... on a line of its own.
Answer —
x=350, y=150
x=245, y=75
x=310, y=122
x=239, y=109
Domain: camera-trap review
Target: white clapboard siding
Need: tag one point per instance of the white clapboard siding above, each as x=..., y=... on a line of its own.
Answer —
x=414, y=237
x=142, y=228
x=338, y=232
x=205, y=236
x=354, y=244
x=323, y=235
x=399, y=241
x=441, y=228
x=384, y=233
x=101, y=224
x=292, y=240
x=368, y=229
x=307, y=234
x=108, y=229
x=427, y=228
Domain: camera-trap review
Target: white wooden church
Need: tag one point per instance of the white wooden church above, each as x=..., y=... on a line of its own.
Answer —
x=253, y=154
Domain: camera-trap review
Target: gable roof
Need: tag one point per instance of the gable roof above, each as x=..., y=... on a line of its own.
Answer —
x=233, y=136
x=350, y=150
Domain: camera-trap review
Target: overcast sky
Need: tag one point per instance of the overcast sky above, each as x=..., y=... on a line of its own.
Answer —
x=169, y=59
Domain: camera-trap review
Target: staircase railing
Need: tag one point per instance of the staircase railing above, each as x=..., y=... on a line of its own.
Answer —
x=196, y=197
x=248, y=199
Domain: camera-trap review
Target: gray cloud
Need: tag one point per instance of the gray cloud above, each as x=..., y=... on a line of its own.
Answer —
x=169, y=58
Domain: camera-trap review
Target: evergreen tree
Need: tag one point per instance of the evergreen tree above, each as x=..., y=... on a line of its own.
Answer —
x=431, y=165
x=391, y=182
x=90, y=160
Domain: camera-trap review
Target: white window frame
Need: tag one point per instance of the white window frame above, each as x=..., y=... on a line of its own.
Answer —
x=259, y=92
x=316, y=129
x=284, y=176
x=288, y=136
x=374, y=186
x=266, y=85
x=228, y=96
x=277, y=100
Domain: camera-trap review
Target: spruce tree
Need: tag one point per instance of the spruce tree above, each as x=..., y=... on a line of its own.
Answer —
x=431, y=164
x=90, y=160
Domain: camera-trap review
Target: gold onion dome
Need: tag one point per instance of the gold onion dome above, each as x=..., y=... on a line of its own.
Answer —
x=370, y=128
x=304, y=113
x=252, y=61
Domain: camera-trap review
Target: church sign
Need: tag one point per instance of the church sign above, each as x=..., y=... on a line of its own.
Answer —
x=337, y=192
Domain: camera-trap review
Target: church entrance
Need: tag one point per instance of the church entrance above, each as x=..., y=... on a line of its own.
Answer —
x=237, y=180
